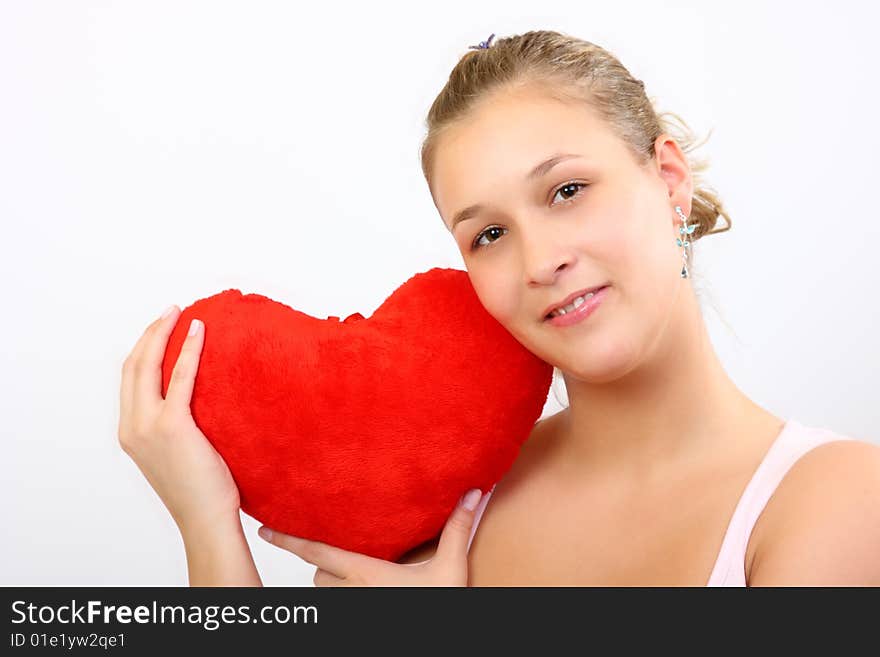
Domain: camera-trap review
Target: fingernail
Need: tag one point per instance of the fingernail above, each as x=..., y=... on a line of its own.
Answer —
x=167, y=312
x=194, y=327
x=470, y=499
x=265, y=533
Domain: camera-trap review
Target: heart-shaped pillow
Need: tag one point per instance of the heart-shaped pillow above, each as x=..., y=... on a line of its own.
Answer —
x=362, y=433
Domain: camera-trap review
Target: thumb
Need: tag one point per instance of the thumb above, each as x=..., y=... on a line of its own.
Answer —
x=453, y=542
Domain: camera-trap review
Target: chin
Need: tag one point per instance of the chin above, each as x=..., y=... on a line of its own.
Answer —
x=600, y=362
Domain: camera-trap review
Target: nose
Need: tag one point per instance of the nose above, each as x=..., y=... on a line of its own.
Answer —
x=544, y=258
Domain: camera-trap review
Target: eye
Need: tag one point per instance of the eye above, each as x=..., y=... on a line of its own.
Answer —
x=490, y=230
x=573, y=188
x=567, y=187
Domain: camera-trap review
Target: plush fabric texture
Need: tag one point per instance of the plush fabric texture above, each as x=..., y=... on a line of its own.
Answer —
x=362, y=433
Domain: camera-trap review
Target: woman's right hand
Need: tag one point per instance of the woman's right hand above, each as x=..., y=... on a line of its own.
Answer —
x=160, y=435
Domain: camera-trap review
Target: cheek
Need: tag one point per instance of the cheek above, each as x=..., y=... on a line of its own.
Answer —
x=496, y=292
x=642, y=240
x=648, y=266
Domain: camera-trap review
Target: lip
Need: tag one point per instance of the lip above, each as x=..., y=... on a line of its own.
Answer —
x=571, y=297
x=583, y=311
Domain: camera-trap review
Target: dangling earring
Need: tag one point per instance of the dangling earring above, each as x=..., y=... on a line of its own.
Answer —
x=684, y=230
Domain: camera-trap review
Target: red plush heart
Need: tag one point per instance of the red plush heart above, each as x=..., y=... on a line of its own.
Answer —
x=362, y=433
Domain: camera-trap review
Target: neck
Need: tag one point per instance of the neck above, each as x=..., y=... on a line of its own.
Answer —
x=677, y=408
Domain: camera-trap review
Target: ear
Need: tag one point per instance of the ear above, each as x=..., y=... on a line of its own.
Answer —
x=675, y=171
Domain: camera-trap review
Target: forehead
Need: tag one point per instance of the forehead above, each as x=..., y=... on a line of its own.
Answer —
x=504, y=137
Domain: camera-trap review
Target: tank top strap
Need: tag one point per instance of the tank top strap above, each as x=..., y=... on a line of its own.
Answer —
x=791, y=444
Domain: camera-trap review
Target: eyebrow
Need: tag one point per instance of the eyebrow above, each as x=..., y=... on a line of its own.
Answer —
x=538, y=171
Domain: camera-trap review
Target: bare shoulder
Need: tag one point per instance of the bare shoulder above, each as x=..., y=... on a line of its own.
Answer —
x=821, y=527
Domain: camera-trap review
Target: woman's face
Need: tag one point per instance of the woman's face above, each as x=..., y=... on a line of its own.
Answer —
x=596, y=218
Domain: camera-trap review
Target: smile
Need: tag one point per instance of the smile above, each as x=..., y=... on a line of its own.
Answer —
x=578, y=310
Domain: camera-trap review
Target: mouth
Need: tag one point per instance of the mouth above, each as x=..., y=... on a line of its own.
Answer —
x=572, y=302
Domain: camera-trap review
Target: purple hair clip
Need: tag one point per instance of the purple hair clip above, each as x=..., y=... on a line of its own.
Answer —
x=484, y=45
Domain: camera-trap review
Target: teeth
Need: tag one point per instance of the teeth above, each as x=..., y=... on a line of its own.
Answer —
x=574, y=304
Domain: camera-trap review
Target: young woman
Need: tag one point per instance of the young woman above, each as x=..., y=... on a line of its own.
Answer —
x=575, y=211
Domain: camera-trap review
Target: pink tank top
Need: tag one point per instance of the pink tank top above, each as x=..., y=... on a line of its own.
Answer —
x=793, y=441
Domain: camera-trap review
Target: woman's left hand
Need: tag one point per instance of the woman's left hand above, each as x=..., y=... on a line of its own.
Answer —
x=338, y=567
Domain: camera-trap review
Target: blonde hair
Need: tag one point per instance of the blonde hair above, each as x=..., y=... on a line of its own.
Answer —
x=572, y=69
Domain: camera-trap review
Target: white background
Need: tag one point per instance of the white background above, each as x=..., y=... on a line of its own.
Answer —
x=159, y=152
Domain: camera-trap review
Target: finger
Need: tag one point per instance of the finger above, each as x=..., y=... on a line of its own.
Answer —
x=323, y=578
x=148, y=374
x=127, y=383
x=454, y=540
x=125, y=394
x=138, y=349
x=183, y=377
x=334, y=560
